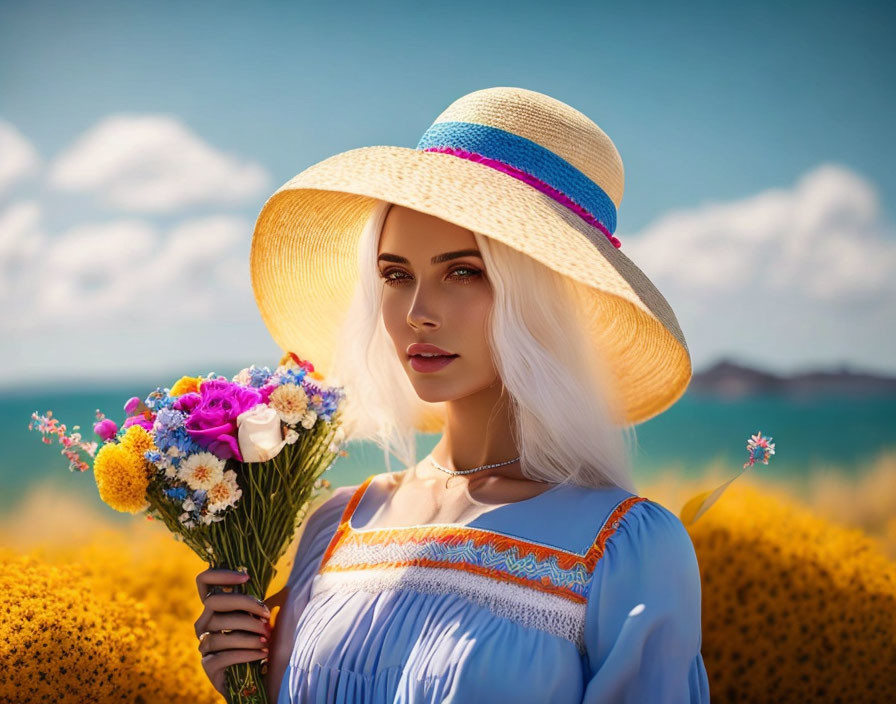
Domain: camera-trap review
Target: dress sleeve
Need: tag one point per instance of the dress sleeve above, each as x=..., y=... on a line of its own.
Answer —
x=320, y=526
x=643, y=622
x=317, y=531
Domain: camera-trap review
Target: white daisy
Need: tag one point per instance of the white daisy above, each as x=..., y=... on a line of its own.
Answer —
x=201, y=470
x=225, y=493
x=290, y=402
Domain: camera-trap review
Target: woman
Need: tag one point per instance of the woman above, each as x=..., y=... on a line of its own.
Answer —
x=514, y=562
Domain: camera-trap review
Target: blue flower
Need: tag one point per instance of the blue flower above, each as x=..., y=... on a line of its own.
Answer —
x=178, y=493
x=293, y=376
x=258, y=376
x=158, y=399
x=170, y=432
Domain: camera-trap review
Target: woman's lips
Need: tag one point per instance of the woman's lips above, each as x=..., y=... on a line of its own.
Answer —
x=426, y=348
x=431, y=364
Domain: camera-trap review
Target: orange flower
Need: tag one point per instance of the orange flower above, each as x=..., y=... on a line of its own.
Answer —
x=185, y=385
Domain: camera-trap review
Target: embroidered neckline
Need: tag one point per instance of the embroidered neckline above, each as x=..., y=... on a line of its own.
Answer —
x=448, y=532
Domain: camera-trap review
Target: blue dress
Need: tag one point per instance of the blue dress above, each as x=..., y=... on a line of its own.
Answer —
x=574, y=596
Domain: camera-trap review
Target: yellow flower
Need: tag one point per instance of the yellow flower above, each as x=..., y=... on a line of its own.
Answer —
x=793, y=605
x=85, y=624
x=121, y=477
x=60, y=639
x=137, y=440
x=185, y=385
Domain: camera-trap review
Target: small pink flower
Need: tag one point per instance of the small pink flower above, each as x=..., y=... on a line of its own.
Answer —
x=760, y=449
x=141, y=420
x=106, y=429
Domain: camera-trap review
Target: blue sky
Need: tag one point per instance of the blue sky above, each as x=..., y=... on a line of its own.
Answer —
x=757, y=141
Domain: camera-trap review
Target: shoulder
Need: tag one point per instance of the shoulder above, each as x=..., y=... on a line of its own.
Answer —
x=567, y=517
x=654, y=527
x=652, y=542
x=629, y=516
x=316, y=530
x=325, y=513
x=332, y=507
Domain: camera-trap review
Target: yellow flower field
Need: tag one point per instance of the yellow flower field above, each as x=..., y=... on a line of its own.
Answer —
x=799, y=595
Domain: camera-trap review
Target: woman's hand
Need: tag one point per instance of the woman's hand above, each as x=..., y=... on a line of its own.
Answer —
x=245, y=620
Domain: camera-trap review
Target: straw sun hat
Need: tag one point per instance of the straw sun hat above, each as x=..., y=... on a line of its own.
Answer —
x=513, y=164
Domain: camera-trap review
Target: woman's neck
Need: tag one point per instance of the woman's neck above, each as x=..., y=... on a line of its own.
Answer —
x=477, y=432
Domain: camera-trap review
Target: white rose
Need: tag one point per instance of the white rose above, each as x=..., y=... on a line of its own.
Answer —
x=259, y=434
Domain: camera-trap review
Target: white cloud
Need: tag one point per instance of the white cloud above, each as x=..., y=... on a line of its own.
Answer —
x=18, y=158
x=100, y=275
x=86, y=296
x=798, y=274
x=154, y=164
x=788, y=276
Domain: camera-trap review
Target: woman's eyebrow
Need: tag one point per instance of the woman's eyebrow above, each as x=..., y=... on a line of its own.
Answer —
x=386, y=257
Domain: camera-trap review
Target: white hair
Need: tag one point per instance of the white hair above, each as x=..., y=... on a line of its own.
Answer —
x=561, y=415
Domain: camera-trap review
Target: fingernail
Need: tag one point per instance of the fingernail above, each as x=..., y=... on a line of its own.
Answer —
x=263, y=639
x=264, y=650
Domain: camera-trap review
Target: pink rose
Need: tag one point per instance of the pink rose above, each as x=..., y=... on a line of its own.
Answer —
x=212, y=419
x=187, y=402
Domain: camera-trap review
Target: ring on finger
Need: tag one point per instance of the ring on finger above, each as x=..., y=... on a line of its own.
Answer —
x=218, y=589
x=203, y=636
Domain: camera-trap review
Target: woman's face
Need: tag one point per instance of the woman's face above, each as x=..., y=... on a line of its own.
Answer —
x=431, y=299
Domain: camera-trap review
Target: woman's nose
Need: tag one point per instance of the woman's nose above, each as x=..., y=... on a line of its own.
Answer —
x=421, y=313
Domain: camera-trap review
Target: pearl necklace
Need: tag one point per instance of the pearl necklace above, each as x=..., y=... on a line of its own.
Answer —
x=457, y=472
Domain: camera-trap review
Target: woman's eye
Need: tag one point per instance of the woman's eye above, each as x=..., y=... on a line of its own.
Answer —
x=391, y=280
x=473, y=273
x=387, y=276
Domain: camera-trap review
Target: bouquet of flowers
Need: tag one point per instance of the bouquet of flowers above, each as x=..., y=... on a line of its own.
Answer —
x=228, y=465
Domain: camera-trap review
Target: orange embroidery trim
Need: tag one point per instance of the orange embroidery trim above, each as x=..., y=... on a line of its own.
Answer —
x=500, y=575
x=449, y=535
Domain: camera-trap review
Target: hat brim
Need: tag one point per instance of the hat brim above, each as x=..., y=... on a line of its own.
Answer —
x=303, y=260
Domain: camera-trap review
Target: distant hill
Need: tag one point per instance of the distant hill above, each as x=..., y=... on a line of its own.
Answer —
x=731, y=380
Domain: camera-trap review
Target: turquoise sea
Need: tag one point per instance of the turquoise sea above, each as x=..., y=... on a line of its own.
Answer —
x=829, y=430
